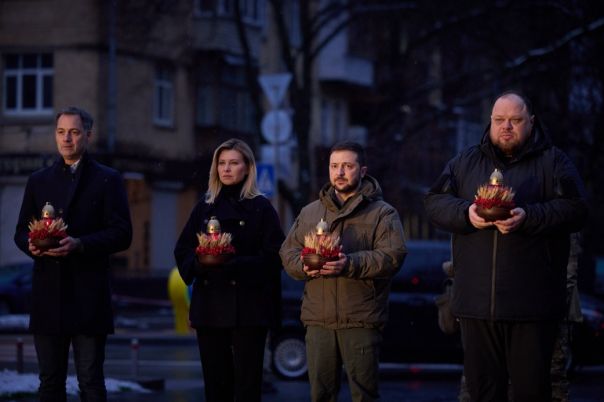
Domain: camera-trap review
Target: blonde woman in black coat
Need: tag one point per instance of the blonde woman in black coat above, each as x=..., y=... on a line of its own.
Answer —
x=233, y=305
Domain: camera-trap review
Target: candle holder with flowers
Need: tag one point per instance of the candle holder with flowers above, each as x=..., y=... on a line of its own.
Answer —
x=494, y=200
x=214, y=247
x=47, y=232
x=320, y=246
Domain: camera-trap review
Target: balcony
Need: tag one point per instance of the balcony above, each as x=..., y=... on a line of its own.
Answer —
x=336, y=64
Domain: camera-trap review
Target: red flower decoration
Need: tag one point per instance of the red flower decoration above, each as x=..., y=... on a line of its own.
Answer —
x=43, y=229
x=494, y=195
x=325, y=245
x=214, y=244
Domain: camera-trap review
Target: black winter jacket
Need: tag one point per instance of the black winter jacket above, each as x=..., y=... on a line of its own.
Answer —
x=520, y=275
x=246, y=291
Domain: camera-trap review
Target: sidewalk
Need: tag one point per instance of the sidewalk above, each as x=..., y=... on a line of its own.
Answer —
x=151, y=337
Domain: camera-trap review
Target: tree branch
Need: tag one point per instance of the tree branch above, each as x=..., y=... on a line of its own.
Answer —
x=557, y=44
x=250, y=71
x=286, y=55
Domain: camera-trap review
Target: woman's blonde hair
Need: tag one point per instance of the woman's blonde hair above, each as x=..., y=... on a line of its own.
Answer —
x=250, y=187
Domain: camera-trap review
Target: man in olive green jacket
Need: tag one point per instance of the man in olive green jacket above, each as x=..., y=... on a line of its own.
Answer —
x=345, y=304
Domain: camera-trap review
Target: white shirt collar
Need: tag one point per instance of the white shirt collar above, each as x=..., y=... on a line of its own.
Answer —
x=74, y=166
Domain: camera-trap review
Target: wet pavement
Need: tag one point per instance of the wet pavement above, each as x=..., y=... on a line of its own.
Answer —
x=168, y=365
x=405, y=389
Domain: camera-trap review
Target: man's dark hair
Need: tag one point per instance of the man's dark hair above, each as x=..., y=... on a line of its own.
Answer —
x=85, y=117
x=527, y=102
x=353, y=147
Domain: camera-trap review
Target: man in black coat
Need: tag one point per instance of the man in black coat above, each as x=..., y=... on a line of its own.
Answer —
x=71, y=294
x=510, y=274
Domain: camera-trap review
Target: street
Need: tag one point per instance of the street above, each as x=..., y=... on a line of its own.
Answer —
x=169, y=364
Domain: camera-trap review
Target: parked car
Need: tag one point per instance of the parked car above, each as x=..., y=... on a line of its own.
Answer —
x=15, y=288
x=587, y=337
x=412, y=334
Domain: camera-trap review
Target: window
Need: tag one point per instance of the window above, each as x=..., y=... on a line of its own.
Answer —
x=28, y=81
x=223, y=98
x=163, y=99
x=252, y=11
x=333, y=120
x=204, y=113
x=236, y=110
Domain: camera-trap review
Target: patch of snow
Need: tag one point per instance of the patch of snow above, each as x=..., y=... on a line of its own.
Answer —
x=114, y=385
x=13, y=383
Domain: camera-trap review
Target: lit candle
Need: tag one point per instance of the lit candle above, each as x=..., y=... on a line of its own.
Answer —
x=48, y=214
x=322, y=228
x=213, y=228
x=496, y=178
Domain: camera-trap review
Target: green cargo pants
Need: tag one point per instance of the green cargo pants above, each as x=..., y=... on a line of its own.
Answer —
x=358, y=349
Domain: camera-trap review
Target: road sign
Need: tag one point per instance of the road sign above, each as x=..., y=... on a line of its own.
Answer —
x=276, y=126
x=266, y=179
x=274, y=87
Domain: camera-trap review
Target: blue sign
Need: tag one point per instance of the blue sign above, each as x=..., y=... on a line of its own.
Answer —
x=266, y=179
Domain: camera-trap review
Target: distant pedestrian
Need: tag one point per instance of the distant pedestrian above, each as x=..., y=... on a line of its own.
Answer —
x=510, y=274
x=233, y=304
x=71, y=294
x=345, y=303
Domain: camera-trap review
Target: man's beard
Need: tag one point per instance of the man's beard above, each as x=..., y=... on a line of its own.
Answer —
x=509, y=148
x=512, y=146
x=349, y=187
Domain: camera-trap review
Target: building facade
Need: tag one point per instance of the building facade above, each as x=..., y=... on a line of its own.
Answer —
x=163, y=83
x=166, y=82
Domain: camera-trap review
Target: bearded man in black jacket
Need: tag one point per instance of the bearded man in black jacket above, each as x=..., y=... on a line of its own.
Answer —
x=510, y=274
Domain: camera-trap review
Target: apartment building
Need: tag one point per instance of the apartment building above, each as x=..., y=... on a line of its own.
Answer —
x=163, y=82
x=166, y=82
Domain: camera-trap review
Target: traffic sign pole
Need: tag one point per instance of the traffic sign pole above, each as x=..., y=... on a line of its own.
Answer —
x=276, y=125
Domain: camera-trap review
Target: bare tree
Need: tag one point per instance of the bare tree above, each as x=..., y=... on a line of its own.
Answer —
x=317, y=30
x=480, y=49
x=547, y=49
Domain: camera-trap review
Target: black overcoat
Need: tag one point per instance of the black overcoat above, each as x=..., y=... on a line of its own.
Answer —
x=71, y=295
x=247, y=290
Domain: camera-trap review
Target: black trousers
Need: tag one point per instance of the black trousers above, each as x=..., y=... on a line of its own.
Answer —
x=53, y=360
x=232, y=360
x=500, y=352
